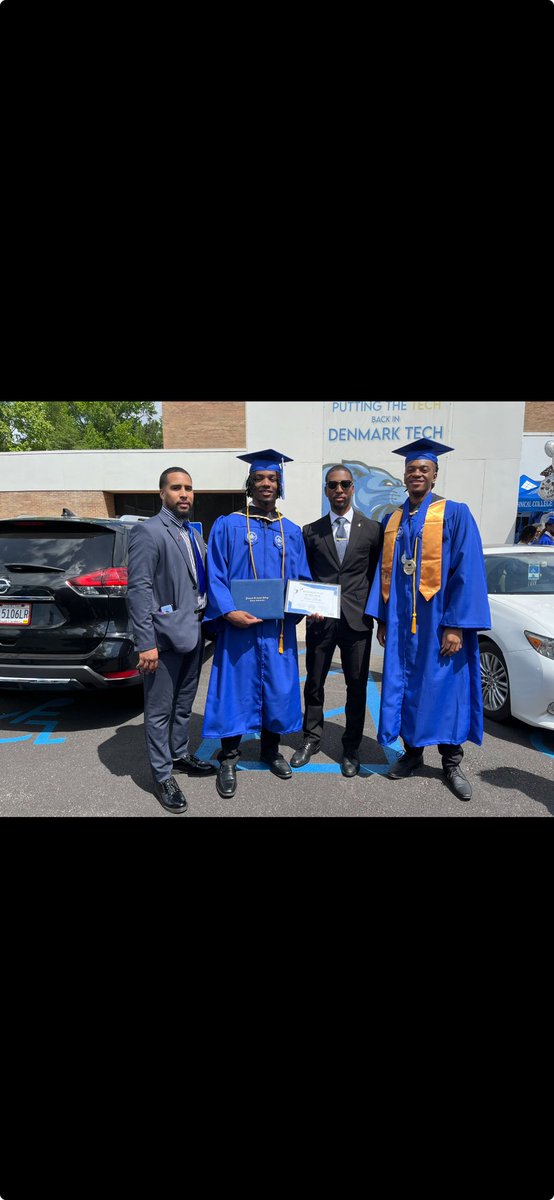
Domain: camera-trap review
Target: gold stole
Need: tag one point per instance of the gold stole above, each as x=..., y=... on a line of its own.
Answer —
x=431, y=565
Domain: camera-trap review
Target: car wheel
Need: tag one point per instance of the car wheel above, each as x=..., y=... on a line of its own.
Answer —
x=494, y=682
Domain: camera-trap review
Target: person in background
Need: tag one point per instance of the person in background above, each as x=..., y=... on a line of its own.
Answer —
x=166, y=596
x=254, y=682
x=430, y=599
x=546, y=532
x=342, y=548
x=527, y=535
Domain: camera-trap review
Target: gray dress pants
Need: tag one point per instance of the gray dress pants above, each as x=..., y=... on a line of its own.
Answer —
x=169, y=696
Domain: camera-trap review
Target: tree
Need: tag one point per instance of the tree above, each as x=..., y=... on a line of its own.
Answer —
x=24, y=425
x=80, y=425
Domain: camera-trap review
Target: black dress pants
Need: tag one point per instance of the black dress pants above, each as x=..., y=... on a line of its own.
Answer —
x=322, y=638
x=230, y=746
x=451, y=755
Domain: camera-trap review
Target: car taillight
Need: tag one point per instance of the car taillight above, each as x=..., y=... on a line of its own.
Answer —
x=121, y=674
x=112, y=581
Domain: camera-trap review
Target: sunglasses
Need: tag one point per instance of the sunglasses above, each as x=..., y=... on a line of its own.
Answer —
x=345, y=484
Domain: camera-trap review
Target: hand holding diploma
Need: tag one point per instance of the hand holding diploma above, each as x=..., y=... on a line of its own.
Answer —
x=314, y=600
x=241, y=620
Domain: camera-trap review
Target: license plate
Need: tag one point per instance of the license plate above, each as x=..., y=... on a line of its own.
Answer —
x=15, y=614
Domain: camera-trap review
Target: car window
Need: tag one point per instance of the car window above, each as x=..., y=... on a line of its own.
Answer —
x=520, y=575
x=70, y=549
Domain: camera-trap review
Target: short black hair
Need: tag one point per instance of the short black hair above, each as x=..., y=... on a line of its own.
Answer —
x=165, y=475
x=339, y=467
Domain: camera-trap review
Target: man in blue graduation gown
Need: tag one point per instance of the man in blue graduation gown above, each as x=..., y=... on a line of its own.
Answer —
x=254, y=682
x=430, y=598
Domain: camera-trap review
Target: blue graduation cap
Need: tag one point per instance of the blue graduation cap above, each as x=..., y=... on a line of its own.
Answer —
x=268, y=460
x=423, y=448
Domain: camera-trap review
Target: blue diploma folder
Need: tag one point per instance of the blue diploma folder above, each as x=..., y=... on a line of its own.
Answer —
x=263, y=598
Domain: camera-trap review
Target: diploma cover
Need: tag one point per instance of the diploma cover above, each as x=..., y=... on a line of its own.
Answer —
x=263, y=598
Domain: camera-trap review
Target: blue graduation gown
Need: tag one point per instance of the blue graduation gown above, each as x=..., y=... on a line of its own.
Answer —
x=428, y=699
x=251, y=685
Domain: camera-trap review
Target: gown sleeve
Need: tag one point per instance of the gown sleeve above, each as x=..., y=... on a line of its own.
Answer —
x=466, y=602
x=297, y=567
x=376, y=606
x=301, y=565
x=220, y=600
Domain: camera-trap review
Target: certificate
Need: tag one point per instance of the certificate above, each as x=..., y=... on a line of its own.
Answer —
x=306, y=598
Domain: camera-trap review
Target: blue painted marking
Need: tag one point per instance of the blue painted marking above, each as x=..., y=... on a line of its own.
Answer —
x=48, y=715
x=210, y=746
x=47, y=710
x=44, y=739
x=538, y=744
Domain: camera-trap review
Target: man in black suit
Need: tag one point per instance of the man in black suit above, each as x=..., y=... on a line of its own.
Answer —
x=344, y=548
x=166, y=597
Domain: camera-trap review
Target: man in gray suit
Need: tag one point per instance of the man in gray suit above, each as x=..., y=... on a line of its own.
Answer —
x=166, y=596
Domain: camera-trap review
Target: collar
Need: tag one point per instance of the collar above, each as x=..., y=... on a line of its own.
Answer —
x=173, y=518
x=349, y=516
x=256, y=514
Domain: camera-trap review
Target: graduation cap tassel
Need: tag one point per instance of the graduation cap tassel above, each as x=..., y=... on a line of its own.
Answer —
x=282, y=638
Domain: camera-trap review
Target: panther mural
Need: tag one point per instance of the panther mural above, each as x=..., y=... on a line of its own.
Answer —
x=546, y=490
x=377, y=491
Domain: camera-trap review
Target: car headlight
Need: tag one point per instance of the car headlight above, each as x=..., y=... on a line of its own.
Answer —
x=543, y=645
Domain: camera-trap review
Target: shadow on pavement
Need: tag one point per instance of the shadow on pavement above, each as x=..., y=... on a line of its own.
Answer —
x=512, y=778
x=511, y=730
x=73, y=711
x=124, y=754
x=331, y=745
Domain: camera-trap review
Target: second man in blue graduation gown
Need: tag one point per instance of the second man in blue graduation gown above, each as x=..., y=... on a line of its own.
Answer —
x=431, y=693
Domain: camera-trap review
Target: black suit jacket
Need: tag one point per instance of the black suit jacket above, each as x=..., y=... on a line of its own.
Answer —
x=360, y=561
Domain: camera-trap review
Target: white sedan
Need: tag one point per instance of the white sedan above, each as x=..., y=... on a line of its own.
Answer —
x=517, y=653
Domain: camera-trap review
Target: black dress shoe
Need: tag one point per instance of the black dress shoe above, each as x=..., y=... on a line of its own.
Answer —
x=303, y=756
x=458, y=783
x=226, y=780
x=193, y=765
x=350, y=765
x=170, y=795
x=278, y=765
x=405, y=766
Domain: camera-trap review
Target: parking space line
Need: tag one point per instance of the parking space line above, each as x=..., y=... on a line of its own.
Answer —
x=538, y=744
x=210, y=746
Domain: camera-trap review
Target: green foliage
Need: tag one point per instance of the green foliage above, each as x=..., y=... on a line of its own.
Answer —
x=79, y=425
x=24, y=425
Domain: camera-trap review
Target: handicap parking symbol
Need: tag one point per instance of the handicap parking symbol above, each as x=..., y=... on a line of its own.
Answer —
x=45, y=715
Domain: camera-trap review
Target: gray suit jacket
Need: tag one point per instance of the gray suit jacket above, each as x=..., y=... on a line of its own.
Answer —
x=160, y=574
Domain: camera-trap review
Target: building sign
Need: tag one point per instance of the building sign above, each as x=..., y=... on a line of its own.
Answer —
x=363, y=434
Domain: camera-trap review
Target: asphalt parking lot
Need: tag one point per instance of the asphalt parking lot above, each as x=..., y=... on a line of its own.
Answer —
x=81, y=755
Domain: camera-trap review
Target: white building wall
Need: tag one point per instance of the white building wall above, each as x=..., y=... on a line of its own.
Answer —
x=483, y=471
